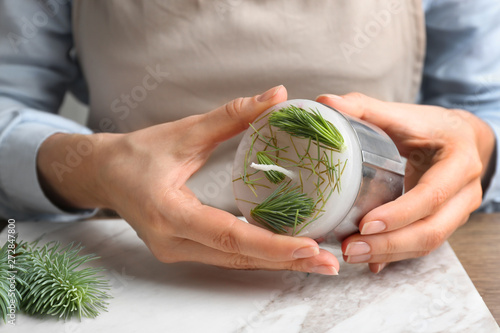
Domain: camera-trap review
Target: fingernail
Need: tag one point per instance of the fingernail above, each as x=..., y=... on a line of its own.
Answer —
x=357, y=248
x=380, y=267
x=306, y=252
x=320, y=240
x=331, y=96
x=325, y=270
x=373, y=227
x=269, y=94
x=357, y=259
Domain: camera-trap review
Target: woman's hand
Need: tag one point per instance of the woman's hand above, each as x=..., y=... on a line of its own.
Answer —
x=142, y=176
x=447, y=150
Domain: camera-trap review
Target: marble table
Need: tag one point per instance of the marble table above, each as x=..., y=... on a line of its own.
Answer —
x=429, y=294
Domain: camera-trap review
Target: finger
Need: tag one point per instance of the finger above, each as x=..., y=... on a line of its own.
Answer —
x=418, y=238
x=384, y=258
x=389, y=117
x=223, y=231
x=385, y=115
x=407, y=124
x=234, y=117
x=377, y=267
x=187, y=250
x=440, y=183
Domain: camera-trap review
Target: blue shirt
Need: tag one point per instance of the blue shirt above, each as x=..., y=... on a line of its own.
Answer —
x=462, y=70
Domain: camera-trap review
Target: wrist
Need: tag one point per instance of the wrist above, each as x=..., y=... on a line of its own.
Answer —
x=68, y=170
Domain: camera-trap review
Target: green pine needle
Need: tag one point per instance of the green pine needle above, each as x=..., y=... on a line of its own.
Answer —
x=8, y=268
x=55, y=287
x=274, y=177
x=310, y=125
x=287, y=206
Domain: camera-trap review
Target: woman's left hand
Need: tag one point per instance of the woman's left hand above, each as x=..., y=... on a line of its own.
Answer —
x=448, y=152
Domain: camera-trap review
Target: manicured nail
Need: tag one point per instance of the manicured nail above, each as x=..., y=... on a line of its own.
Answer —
x=269, y=94
x=380, y=267
x=331, y=96
x=357, y=259
x=373, y=227
x=357, y=248
x=325, y=270
x=306, y=252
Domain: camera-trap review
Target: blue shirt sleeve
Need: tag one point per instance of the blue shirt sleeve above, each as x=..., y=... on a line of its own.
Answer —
x=462, y=66
x=35, y=71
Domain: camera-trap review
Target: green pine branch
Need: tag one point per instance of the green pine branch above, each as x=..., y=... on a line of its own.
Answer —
x=309, y=125
x=286, y=207
x=52, y=282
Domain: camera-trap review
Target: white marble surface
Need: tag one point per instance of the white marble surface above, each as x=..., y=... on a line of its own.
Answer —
x=430, y=294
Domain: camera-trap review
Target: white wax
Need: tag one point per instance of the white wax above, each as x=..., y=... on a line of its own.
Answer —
x=338, y=204
x=266, y=167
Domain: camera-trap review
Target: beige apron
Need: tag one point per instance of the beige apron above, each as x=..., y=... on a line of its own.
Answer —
x=153, y=61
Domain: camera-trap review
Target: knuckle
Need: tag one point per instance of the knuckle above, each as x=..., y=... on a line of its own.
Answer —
x=227, y=241
x=389, y=246
x=234, y=107
x=476, y=167
x=439, y=195
x=240, y=262
x=470, y=156
x=363, y=103
x=233, y=110
x=298, y=265
x=434, y=239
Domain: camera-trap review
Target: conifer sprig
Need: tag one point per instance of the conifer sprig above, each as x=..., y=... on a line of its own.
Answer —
x=310, y=125
x=55, y=286
x=287, y=206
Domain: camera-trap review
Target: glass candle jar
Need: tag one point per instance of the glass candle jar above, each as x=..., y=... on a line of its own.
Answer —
x=306, y=169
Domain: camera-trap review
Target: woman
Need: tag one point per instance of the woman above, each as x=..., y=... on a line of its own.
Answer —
x=150, y=71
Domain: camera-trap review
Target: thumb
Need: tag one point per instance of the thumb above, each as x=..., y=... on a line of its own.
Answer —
x=379, y=113
x=234, y=117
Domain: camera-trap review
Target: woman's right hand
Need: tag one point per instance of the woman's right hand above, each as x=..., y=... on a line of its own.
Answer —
x=142, y=176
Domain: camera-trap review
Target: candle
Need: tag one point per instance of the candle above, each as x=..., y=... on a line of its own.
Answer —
x=297, y=170
x=304, y=169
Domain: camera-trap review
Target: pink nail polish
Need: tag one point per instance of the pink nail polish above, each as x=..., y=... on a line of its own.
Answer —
x=380, y=267
x=269, y=94
x=306, y=252
x=357, y=248
x=324, y=270
x=330, y=96
x=373, y=227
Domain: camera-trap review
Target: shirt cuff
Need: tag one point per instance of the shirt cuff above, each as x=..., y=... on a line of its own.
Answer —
x=19, y=146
